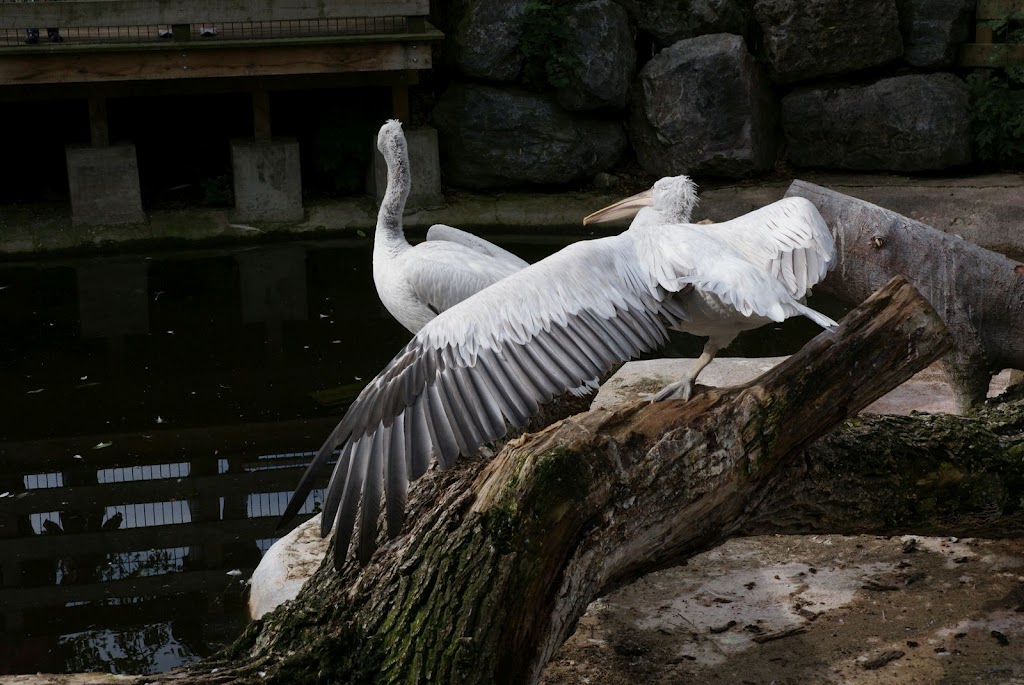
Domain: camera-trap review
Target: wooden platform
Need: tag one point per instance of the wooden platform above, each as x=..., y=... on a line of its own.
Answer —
x=118, y=43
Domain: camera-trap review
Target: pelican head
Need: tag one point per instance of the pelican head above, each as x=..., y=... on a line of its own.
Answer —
x=391, y=140
x=672, y=197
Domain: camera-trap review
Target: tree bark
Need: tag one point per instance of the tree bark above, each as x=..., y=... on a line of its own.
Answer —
x=978, y=293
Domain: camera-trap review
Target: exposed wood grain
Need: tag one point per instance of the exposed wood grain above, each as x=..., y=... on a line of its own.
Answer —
x=207, y=62
x=978, y=293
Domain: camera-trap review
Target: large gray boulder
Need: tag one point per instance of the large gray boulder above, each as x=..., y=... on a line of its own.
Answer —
x=805, y=39
x=704, y=106
x=603, y=56
x=906, y=123
x=933, y=30
x=499, y=137
x=484, y=40
x=669, y=21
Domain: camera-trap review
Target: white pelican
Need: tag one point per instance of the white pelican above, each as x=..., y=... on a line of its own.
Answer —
x=494, y=358
x=416, y=283
x=790, y=240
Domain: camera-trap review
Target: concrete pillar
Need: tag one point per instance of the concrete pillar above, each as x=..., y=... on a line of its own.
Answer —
x=268, y=180
x=104, y=184
x=424, y=165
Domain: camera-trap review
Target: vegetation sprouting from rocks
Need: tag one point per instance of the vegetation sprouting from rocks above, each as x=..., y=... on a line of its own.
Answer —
x=545, y=34
x=997, y=98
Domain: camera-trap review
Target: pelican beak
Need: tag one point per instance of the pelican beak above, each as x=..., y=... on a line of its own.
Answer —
x=623, y=209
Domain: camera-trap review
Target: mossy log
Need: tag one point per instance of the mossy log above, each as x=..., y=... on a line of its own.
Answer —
x=978, y=293
x=500, y=558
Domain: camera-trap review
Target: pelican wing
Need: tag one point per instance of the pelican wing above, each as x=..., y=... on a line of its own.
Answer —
x=788, y=238
x=442, y=273
x=442, y=232
x=675, y=256
x=484, y=364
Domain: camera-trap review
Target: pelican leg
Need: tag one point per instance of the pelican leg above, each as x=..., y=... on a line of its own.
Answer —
x=683, y=388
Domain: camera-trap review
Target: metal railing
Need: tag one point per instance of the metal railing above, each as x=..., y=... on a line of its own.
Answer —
x=79, y=22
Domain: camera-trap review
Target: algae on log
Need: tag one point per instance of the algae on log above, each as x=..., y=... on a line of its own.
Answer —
x=926, y=474
x=978, y=293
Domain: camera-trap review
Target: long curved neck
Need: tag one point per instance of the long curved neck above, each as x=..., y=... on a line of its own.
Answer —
x=389, y=236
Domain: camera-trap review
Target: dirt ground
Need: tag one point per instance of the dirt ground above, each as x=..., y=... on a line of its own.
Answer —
x=812, y=609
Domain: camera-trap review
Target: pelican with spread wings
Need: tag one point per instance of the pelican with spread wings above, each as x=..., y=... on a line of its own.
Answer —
x=491, y=360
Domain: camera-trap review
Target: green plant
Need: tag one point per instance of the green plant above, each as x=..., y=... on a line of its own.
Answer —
x=1008, y=28
x=543, y=39
x=998, y=104
x=997, y=100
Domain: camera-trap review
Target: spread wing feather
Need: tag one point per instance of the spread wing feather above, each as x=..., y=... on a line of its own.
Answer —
x=788, y=238
x=478, y=368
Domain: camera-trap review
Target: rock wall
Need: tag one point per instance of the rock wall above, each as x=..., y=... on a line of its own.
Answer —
x=556, y=92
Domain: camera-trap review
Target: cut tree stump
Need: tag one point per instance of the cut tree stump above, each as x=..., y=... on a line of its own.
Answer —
x=977, y=292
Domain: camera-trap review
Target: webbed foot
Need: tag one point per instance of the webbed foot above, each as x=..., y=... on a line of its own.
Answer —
x=680, y=390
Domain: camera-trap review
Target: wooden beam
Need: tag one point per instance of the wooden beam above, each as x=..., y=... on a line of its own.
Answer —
x=152, y=12
x=991, y=55
x=203, y=62
x=261, y=115
x=997, y=9
x=99, y=134
x=245, y=84
x=400, y=102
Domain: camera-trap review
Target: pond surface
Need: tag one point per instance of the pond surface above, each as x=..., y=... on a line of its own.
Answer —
x=156, y=411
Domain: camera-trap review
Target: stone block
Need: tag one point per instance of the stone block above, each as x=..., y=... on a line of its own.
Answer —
x=670, y=21
x=603, y=57
x=933, y=30
x=104, y=185
x=267, y=179
x=506, y=137
x=806, y=39
x=704, y=106
x=917, y=122
x=424, y=165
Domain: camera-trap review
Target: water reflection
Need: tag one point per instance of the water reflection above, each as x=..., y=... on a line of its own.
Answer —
x=157, y=410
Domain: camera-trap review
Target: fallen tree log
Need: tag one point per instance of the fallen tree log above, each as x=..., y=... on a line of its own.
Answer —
x=978, y=293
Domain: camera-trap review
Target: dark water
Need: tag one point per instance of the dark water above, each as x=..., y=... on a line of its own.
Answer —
x=155, y=411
